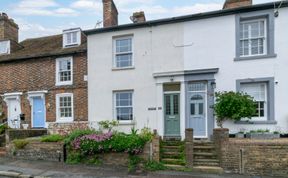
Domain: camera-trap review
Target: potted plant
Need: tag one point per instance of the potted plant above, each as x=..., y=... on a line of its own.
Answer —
x=233, y=106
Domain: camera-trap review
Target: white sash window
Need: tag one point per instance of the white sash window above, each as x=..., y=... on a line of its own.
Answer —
x=4, y=47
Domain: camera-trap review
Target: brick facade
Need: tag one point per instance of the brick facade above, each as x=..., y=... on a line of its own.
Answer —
x=39, y=74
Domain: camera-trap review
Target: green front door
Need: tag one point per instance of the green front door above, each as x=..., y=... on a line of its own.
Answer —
x=172, y=114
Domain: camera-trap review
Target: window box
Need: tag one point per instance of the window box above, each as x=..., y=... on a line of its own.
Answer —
x=264, y=135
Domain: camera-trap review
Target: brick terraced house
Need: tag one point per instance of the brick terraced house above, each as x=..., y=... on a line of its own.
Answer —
x=43, y=79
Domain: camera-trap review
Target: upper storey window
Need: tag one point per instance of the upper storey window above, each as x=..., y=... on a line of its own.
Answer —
x=4, y=47
x=71, y=37
x=123, y=52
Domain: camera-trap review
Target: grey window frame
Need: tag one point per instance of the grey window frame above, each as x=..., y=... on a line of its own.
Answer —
x=270, y=31
x=270, y=98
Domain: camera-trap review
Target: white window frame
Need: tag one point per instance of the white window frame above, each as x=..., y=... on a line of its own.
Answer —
x=115, y=52
x=250, y=38
x=8, y=47
x=265, y=117
x=65, y=37
x=115, y=106
x=58, y=82
x=64, y=119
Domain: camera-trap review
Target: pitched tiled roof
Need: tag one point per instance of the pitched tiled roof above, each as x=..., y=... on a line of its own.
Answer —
x=43, y=47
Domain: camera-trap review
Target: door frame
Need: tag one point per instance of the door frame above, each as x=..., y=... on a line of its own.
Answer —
x=15, y=96
x=31, y=96
x=205, y=105
x=164, y=114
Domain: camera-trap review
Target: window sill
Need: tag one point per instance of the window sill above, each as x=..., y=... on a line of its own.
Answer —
x=68, y=120
x=126, y=122
x=63, y=84
x=255, y=57
x=123, y=68
x=270, y=122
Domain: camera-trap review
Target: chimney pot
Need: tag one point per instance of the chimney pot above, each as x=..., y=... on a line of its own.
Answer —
x=110, y=13
x=229, y=4
x=138, y=17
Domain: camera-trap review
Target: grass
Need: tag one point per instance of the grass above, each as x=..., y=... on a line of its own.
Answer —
x=20, y=143
x=52, y=138
x=154, y=166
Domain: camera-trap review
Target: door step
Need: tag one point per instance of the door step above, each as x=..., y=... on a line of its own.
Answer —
x=175, y=167
x=209, y=169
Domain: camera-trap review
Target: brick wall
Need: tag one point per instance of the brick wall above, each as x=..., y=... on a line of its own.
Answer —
x=253, y=156
x=39, y=74
x=236, y=3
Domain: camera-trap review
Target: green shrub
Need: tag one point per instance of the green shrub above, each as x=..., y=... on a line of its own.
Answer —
x=233, y=106
x=133, y=162
x=107, y=124
x=3, y=128
x=52, y=138
x=146, y=134
x=154, y=166
x=77, y=133
x=74, y=158
x=20, y=143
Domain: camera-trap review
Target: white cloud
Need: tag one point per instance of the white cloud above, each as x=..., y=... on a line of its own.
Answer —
x=42, y=8
x=87, y=5
x=197, y=8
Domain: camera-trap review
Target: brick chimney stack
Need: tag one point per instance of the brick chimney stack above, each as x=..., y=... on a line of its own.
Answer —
x=138, y=17
x=110, y=13
x=229, y=4
x=8, y=28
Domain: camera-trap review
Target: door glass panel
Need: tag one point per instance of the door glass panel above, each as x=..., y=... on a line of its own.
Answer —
x=175, y=105
x=192, y=108
x=201, y=108
x=168, y=105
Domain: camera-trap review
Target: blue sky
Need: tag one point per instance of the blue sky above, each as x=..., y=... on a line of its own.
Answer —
x=46, y=17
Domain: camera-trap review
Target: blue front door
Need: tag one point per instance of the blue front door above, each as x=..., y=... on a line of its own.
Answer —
x=38, y=112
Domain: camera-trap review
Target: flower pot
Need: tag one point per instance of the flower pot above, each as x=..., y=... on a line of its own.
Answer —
x=263, y=135
x=25, y=126
x=239, y=135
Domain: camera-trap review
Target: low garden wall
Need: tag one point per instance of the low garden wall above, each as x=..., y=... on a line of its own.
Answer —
x=36, y=150
x=12, y=134
x=54, y=151
x=252, y=156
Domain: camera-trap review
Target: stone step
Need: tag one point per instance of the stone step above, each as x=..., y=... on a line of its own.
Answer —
x=174, y=167
x=172, y=143
x=171, y=147
x=196, y=163
x=173, y=161
x=204, y=154
x=204, y=147
x=207, y=160
x=209, y=169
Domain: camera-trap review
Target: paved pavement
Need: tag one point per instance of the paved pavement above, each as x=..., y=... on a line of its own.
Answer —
x=25, y=169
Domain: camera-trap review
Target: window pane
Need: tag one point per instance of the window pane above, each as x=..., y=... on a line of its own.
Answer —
x=168, y=105
x=176, y=104
x=125, y=113
x=4, y=47
x=201, y=108
x=124, y=45
x=192, y=108
x=123, y=60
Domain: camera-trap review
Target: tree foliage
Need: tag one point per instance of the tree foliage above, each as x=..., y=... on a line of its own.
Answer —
x=233, y=106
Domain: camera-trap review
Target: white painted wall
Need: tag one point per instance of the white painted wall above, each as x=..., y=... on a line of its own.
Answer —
x=209, y=43
x=154, y=51
x=214, y=47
